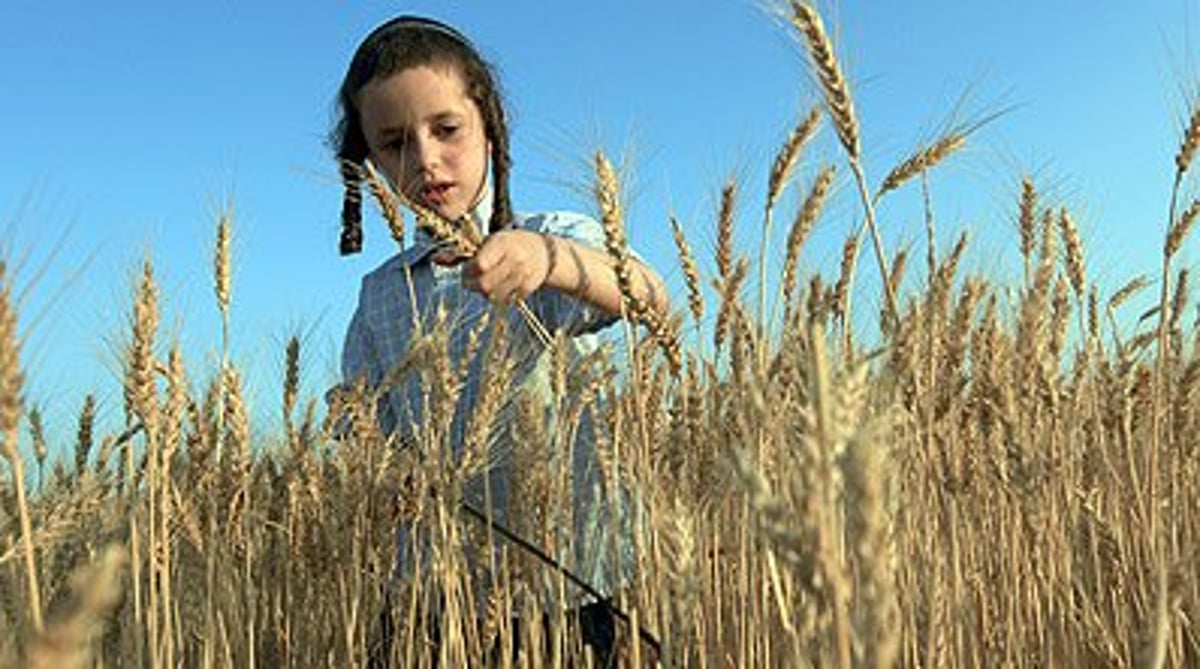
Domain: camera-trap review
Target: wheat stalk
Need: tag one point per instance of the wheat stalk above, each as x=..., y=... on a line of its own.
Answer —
x=1060, y=307
x=841, y=109
x=499, y=367
x=213, y=431
x=1093, y=323
x=461, y=239
x=11, y=380
x=612, y=220
x=942, y=282
x=866, y=491
x=899, y=267
x=1177, y=232
x=174, y=409
x=780, y=173
x=141, y=398
x=237, y=419
x=67, y=644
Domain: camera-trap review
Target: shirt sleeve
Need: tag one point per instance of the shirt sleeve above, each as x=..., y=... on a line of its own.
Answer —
x=356, y=351
x=360, y=359
x=557, y=309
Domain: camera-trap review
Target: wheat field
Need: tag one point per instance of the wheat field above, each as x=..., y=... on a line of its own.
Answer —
x=981, y=474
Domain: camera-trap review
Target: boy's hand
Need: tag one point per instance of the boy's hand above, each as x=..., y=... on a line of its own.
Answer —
x=510, y=265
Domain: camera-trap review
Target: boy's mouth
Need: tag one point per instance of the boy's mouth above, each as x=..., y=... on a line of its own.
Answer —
x=435, y=194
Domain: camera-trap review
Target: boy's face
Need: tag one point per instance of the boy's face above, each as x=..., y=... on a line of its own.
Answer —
x=427, y=136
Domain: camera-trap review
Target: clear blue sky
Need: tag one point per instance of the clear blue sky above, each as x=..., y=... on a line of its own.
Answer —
x=127, y=125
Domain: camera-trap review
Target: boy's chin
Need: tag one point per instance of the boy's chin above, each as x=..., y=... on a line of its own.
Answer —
x=450, y=213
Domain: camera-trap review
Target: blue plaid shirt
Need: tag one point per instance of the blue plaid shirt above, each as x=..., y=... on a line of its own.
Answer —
x=409, y=289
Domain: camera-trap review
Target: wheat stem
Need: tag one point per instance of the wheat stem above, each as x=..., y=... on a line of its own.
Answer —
x=11, y=381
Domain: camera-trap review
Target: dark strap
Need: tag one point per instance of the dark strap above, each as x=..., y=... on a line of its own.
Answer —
x=645, y=635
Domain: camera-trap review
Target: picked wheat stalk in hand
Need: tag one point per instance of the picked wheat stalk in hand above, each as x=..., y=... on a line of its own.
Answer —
x=461, y=238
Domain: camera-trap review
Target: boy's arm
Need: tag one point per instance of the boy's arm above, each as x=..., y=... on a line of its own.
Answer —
x=511, y=264
x=590, y=275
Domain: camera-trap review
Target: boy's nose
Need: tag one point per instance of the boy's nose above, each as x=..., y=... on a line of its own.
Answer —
x=424, y=153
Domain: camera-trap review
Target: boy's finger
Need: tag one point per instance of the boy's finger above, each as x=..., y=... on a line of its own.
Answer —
x=448, y=258
x=471, y=269
x=502, y=289
x=489, y=256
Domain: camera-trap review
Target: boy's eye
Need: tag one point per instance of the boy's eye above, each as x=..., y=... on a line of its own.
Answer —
x=395, y=144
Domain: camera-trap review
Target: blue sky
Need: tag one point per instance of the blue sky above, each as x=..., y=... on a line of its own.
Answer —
x=128, y=125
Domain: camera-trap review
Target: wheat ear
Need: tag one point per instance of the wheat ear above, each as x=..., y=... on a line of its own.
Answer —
x=612, y=221
x=222, y=260
x=140, y=377
x=386, y=200
x=1180, y=229
x=923, y=160
x=291, y=382
x=1076, y=270
x=691, y=272
x=806, y=218
x=789, y=154
x=1027, y=223
x=725, y=229
x=83, y=438
x=1131, y=288
x=833, y=85
x=37, y=438
x=1190, y=142
x=899, y=267
x=463, y=238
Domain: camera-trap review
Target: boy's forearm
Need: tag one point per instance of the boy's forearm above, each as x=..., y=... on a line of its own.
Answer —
x=589, y=275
